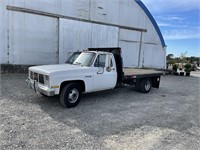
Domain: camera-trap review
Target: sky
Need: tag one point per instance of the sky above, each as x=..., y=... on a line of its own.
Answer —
x=179, y=22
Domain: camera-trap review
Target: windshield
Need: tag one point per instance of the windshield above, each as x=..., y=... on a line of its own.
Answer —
x=85, y=59
x=73, y=57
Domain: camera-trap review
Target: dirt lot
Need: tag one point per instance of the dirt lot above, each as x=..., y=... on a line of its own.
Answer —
x=166, y=118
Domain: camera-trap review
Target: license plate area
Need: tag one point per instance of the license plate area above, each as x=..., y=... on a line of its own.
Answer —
x=32, y=85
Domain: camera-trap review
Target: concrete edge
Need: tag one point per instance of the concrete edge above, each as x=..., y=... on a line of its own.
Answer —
x=9, y=68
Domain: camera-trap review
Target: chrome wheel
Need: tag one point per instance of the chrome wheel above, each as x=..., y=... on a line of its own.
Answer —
x=147, y=85
x=73, y=95
x=70, y=95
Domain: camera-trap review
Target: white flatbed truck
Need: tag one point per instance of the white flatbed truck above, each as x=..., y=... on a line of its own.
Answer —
x=93, y=70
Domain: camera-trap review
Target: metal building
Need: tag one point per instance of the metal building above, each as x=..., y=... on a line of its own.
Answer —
x=48, y=31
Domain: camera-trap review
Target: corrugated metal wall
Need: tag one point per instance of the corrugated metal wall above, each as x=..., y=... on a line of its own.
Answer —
x=74, y=35
x=35, y=39
x=77, y=35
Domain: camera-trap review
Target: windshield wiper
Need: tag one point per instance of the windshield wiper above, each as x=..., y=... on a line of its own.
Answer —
x=77, y=63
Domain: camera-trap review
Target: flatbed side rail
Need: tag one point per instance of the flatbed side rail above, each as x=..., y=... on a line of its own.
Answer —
x=128, y=77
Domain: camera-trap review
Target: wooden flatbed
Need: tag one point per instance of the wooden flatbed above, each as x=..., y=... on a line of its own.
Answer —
x=139, y=73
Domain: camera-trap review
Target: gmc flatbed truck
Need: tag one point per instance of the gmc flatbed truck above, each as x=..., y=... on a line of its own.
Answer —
x=88, y=71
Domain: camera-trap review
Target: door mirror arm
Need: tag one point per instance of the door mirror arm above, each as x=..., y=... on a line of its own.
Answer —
x=101, y=70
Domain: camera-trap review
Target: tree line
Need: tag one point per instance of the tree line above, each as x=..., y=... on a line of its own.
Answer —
x=182, y=59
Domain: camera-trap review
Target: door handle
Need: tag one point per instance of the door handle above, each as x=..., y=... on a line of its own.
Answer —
x=88, y=76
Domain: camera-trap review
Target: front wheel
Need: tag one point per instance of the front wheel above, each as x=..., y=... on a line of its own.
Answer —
x=145, y=85
x=70, y=95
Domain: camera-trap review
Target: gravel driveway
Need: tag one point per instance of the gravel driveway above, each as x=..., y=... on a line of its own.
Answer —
x=164, y=119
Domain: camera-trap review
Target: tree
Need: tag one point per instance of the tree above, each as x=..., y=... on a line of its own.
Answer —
x=183, y=59
x=170, y=56
x=170, y=60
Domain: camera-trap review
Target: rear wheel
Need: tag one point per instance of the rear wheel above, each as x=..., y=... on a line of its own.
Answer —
x=70, y=95
x=145, y=85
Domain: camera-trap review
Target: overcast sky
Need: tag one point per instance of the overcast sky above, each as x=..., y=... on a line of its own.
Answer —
x=179, y=21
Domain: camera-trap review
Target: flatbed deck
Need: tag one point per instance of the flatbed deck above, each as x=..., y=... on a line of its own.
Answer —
x=139, y=73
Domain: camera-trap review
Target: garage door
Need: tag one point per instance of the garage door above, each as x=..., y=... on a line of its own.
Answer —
x=154, y=56
x=129, y=41
x=33, y=39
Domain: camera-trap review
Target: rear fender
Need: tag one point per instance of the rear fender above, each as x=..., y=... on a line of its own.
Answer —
x=155, y=82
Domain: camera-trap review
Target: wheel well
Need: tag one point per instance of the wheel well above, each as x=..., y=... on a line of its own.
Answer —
x=80, y=82
x=155, y=81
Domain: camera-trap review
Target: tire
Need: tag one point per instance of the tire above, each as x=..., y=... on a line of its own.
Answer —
x=70, y=95
x=145, y=85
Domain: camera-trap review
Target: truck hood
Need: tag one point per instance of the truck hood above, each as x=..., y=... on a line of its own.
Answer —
x=48, y=69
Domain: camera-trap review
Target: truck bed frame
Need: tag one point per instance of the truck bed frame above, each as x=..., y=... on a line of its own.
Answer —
x=140, y=73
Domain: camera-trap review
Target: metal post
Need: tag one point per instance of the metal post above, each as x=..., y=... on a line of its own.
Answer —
x=0, y=83
x=140, y=50
x=58, y=46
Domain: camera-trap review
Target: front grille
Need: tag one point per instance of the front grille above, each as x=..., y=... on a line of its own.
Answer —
x=37, y=77
x=41, y=79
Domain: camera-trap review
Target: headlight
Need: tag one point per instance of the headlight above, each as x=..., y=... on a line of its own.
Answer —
x=46, y=80
x=29, y=74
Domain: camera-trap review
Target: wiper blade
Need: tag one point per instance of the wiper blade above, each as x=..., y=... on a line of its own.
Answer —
x=77, y=63
x=68, y=62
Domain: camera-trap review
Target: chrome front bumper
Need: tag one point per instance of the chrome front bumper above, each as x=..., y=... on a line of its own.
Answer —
x=39, y=88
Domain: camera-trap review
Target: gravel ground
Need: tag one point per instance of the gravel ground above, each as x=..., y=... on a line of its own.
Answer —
x=164, y=119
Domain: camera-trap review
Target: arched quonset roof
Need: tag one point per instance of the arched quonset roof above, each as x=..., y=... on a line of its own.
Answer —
x=139, y=2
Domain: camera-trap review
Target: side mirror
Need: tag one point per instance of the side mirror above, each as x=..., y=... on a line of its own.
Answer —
x=109, y=64
x=108, y=69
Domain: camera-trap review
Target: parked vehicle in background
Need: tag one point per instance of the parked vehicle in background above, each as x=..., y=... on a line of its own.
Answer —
x=93, y=70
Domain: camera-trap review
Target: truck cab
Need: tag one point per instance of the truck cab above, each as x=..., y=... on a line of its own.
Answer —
x=91, y=71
